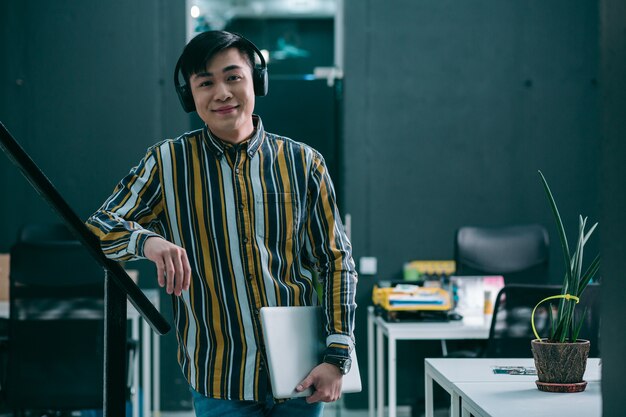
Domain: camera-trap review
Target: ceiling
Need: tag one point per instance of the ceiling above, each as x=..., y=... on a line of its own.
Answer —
x=219, y=12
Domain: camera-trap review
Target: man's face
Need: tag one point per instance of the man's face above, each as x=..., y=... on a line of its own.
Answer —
x=224, y=95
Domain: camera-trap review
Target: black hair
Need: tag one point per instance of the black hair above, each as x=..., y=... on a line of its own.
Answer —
x=199, y=51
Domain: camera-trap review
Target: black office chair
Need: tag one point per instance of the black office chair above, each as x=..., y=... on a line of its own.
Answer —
x=56, y=325
x=519, y=253
x=44, y=232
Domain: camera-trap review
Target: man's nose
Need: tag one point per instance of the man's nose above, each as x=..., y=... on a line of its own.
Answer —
x=222, y=92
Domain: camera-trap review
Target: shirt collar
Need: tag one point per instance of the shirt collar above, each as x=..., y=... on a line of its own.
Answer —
x=218, y=147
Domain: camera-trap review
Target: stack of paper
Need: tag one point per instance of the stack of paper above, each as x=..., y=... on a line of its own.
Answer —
x=402, y=295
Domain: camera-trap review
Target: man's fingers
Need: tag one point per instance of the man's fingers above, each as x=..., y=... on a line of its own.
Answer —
x=327, y=382
x=173, y=269
x=315, y=397
x=160, y=273
x=306, y=383
x=320, y=395
x=179, y=274
x=187, y=271
x=170, y=274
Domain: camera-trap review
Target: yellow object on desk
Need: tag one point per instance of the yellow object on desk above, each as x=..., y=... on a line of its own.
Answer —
x=415, y=270
x=404, y=297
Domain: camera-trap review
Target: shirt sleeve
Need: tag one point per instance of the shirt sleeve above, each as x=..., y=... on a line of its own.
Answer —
x=330, y=250
x=125, y=220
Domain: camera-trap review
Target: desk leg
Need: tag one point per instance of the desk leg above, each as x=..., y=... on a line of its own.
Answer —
x=391, y=365
x=146, y=365
x=468, y=411
x=454, y=404
x=380, y=376
x=444, y=348
x=428, y=384
x=370, y=364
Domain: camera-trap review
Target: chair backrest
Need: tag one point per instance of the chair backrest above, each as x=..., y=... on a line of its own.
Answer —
x=44, y=232
x=519, y=253
x=511, y=332
x=56, y=325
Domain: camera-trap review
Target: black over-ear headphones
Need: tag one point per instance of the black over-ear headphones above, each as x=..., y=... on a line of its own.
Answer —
x=259, y=79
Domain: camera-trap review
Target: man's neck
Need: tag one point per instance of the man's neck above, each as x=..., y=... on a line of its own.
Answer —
x=233, y=140
x=235, y=137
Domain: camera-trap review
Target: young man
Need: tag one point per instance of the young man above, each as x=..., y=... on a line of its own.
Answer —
x=235, y=218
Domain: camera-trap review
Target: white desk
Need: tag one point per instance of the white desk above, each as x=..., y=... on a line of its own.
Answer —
x=475, y=389
x=517, y=399
x=454, y=330
x=149, y=354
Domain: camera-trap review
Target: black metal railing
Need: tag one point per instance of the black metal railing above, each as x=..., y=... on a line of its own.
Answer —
x=118, y=286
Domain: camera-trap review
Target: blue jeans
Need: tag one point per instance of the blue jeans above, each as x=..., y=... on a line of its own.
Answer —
x=211, y=407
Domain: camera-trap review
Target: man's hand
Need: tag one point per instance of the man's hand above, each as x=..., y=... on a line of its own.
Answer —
x=326, y=381
x=173, y=269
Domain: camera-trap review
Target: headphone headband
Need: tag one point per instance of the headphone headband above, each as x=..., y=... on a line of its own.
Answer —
x=255, y=49
x=259, y=77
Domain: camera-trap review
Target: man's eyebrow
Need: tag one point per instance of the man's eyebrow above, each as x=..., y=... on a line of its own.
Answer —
x=202, y=74
x=231, y=67
x=205, y=74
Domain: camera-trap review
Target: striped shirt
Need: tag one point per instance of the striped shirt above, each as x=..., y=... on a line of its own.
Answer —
x=258, y=221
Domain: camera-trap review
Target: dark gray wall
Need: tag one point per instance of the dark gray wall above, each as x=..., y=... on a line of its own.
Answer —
x=450, y=109
x=613, y=207
x=86, y=87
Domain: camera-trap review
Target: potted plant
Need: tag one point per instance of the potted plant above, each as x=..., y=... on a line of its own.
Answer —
x=561, y=358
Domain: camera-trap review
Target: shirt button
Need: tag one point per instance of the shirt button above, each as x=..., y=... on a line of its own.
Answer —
x=245, y=240
x=241, y=206
x=250, y=277
x=256, y=311
x=237, y=170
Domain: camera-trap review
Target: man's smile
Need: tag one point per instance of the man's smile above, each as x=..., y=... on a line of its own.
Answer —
x=225, y=109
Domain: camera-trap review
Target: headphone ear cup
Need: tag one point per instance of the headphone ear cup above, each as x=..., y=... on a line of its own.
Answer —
x=186, y=98
x=260, y=81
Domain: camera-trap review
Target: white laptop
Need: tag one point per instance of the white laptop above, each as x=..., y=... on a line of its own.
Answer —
x=294, y=344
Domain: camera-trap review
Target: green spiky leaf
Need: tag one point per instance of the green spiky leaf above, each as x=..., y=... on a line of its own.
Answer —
x=564, y=327
x=560, y=228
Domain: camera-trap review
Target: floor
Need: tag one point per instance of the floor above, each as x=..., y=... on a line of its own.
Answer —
x=330, y=410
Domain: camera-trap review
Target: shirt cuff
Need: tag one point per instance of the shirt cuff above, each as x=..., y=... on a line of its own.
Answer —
x=339, y=345
x=137, y=242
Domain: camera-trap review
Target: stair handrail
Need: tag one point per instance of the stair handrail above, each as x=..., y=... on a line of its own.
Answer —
x=51, y=195
x=118, y=286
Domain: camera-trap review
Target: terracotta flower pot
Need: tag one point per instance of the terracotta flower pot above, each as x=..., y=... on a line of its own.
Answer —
x=560, y=366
